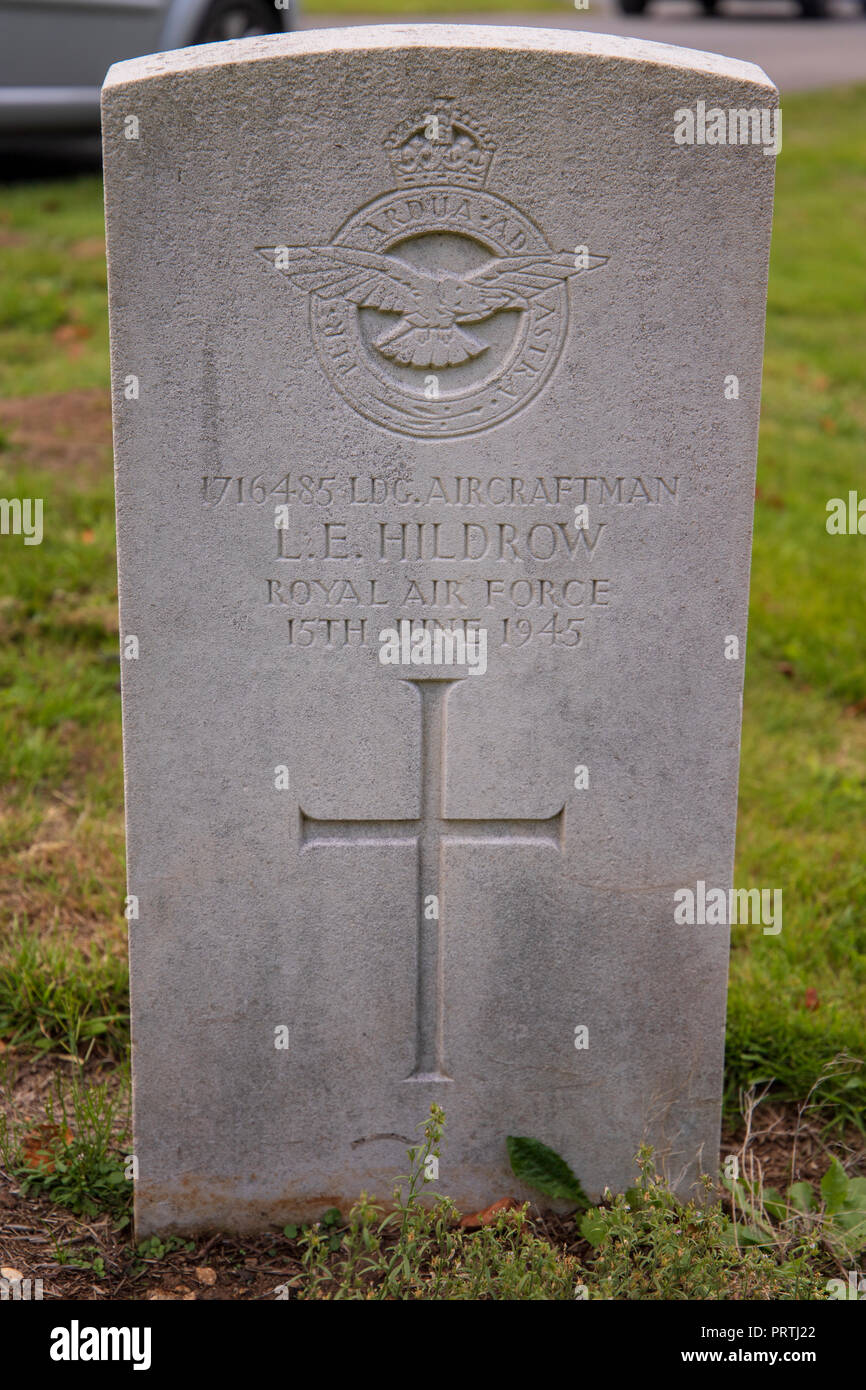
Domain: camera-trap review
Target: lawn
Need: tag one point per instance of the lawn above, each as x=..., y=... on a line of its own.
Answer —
x=797, y=1004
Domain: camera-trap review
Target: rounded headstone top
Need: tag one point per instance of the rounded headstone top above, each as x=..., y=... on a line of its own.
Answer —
x=394, y=37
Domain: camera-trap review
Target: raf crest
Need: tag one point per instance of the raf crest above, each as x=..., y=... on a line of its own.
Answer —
x=439, y=309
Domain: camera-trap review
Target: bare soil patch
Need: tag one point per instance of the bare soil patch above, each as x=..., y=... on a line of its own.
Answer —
x=68, y=433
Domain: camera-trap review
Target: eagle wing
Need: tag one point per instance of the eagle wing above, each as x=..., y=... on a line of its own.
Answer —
x=363, y=277
x=511, y=281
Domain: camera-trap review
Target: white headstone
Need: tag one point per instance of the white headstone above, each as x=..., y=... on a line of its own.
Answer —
x=425, y=329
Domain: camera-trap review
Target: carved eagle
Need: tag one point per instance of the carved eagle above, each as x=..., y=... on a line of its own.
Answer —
x=433, y=306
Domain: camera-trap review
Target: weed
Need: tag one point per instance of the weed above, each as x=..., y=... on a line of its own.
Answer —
x=421, y=1252
x=76, y=1157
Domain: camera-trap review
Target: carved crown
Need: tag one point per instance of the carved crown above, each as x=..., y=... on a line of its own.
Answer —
x=440, y=146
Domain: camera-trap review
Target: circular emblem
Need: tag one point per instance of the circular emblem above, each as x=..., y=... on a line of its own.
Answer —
x=439, y=309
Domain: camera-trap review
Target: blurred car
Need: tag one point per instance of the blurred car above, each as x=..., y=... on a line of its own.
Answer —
x=54, y=54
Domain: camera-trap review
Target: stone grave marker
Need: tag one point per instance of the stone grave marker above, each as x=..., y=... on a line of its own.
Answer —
x=436, y=358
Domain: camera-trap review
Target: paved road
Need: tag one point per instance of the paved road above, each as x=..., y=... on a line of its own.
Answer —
x=797, y=54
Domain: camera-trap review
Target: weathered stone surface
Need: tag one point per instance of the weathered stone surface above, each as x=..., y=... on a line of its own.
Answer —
x=275, y=232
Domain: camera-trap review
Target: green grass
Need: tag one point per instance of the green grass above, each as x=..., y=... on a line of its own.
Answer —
x=56, y=996
x=59, y=663
x=803, y=770
x=797, y=1000
x=53, y=310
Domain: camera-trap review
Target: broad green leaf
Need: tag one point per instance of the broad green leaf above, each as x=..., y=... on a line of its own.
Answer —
x=852, y=1217
x=834, y=1187
x=857, y=1194
x=542, y=1168
x=593, y=1227
x=801, y=1195
x=852, y=1228
x=750, y=1235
